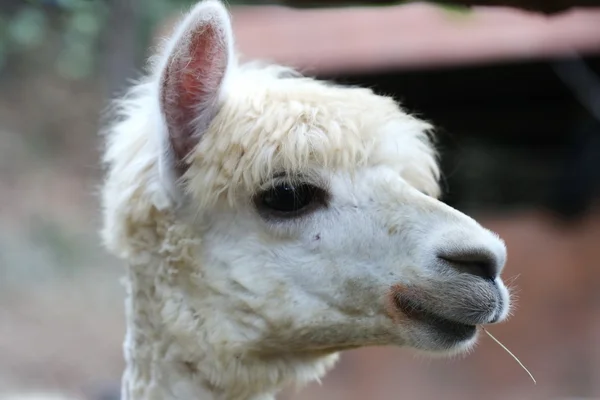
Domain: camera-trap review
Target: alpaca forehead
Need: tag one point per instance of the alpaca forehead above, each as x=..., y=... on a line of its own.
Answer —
x=297, y=125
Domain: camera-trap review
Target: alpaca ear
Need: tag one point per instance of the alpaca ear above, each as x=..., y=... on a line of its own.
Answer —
x=192, y=79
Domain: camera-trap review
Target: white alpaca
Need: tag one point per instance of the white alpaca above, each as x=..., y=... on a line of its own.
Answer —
x=270, y=221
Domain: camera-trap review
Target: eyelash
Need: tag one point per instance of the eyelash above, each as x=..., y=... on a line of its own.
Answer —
x=290, y=199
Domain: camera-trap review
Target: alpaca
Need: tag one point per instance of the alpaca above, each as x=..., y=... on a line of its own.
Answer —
x=270, y=221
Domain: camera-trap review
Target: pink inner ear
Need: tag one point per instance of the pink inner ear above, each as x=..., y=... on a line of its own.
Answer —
x=190, y=87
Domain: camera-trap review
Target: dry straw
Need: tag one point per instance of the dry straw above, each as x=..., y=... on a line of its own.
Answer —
x=509, y=352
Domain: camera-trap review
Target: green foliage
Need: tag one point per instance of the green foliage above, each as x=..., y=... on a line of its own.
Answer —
x=26, y=28
x=455, y=9
x=81, y=31
x=78, y=25
x=23, y=30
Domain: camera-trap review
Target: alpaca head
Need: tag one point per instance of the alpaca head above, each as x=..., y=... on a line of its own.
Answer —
x=308, y=212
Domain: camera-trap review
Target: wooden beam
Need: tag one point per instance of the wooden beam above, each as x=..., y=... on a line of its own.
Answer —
x=544, y=6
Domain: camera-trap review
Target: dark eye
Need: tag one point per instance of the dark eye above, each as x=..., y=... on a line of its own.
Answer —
x=290, y=200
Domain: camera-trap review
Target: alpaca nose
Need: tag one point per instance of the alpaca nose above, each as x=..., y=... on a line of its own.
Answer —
x=482, y=263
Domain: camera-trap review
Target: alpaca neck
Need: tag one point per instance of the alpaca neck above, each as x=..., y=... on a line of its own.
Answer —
x=171, y=349
x=157, y=366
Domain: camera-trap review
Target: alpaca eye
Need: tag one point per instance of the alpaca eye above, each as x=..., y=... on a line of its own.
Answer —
x=290, y=200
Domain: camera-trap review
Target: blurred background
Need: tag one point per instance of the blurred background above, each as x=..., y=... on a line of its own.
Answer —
x=515, y=95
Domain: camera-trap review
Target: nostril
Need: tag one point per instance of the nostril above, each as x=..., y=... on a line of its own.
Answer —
x=475, y=262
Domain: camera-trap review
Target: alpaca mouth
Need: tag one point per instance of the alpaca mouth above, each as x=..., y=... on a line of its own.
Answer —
x=452, y=330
